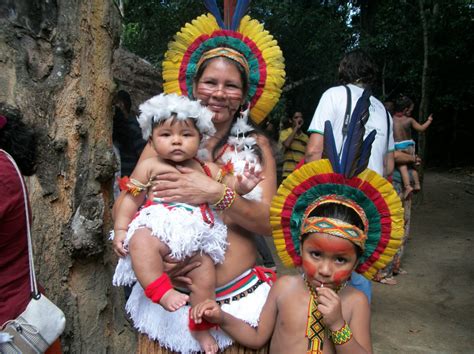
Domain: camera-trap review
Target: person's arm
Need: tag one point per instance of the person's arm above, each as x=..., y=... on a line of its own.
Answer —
x=389, y=164
x=421, y=127
x=126, y=209
x=240, y=331
x=329, y=304
x=289, y=140
x=195, y=188
x=402, y=158
x=254, y=215
x=314, y=149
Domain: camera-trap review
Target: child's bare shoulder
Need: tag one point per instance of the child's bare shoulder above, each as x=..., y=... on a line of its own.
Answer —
x=353, y=298
x=289, y=283
x=151, y=167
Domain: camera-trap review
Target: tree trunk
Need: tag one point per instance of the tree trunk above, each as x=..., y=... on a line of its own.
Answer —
x=55, y=67
x=423, y=109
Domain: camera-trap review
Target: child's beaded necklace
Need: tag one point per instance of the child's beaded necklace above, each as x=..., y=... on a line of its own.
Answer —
x=316, y=331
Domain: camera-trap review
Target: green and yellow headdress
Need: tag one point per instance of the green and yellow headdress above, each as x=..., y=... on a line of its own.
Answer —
x=344, y=180
x=238, y=38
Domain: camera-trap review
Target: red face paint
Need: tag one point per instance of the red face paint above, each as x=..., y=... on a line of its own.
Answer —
x=328, y=259
x=309, y=268
x=341, y=276
x=333, y=244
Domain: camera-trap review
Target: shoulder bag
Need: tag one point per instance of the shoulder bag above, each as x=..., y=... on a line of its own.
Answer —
x=42, y=322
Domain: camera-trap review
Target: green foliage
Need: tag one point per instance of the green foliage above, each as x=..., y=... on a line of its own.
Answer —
x=314, y=35
x=149, y=25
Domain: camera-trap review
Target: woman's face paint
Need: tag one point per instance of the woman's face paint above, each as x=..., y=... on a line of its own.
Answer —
x=327, y=260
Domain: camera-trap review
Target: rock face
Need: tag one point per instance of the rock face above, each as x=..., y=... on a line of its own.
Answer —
x=56, y=68
x=136, y=76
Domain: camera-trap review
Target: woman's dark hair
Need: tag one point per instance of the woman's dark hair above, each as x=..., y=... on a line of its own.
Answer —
x=357, y=67
x=19, y=141
x=402, y=102
x=339, y=212
x=245, y=89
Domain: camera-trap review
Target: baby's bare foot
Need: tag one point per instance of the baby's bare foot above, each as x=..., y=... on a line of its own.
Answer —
x=417, y=187
x=173, y=300
x=206, y=341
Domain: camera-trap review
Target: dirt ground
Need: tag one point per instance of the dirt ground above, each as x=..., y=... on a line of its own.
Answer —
x=431, y=309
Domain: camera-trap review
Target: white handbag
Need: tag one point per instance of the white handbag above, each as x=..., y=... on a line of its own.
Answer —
x=42, y=322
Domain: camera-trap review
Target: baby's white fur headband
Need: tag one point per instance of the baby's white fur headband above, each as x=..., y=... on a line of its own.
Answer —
x=162, y=107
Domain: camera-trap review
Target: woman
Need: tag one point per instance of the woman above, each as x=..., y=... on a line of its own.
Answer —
x=223, y=82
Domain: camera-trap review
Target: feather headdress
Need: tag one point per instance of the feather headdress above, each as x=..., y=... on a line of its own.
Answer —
x=162, y=107
x=260, y=51
x=344, y=180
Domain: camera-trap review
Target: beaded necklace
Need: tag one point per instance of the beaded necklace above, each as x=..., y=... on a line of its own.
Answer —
x=219, y=155
x=206, y=211
x=316, y=331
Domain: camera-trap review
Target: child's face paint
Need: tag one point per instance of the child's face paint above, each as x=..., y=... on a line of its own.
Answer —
x=327, y=260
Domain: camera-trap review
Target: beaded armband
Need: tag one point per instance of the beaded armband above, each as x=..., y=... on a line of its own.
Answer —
x=226, y=200
x=132, y=186
x=342, y=335
x=227, y=169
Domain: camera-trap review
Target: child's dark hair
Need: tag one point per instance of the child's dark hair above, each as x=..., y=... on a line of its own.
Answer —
x=403, y=102
x=340, y=212
x=19, y=141
x=174, y=119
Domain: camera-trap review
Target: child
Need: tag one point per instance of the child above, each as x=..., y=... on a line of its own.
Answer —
x=403, y=122
x=330, y=217
x=174, y=126
x=327, y=264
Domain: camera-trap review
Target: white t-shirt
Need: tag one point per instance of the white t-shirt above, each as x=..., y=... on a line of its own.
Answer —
x=332, y=107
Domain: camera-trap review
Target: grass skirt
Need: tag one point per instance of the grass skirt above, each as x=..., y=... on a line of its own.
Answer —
x=148, y=346
x=171, y=330
x=182, y=229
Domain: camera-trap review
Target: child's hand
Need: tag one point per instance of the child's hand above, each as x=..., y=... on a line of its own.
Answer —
x=329, y=304
x=118, y=243
x=430, y=117
x=248, y=180
x=209, y=309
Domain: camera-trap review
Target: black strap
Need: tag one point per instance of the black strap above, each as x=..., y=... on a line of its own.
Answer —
x=388, y=130
x=347, y=118
x=347, y=115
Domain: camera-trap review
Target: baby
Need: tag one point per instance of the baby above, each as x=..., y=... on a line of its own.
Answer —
x=403, y=122
x=174, y=126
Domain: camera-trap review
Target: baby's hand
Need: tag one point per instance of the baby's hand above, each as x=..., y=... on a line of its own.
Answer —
x=329, y=304
x=118, y=243
x=248, y=180
x=430, y=117
x=209, y=309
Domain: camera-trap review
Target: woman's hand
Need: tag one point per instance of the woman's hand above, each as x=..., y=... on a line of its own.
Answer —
x=118, y=243
x=178, y=270
x=329, y=304
x=187, y=186
x=209, y=309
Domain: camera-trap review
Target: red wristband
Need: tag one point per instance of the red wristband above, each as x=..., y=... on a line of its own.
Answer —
x=155, y=290
x=203, y=326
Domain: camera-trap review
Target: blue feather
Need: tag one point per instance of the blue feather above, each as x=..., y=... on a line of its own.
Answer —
x=240, y=10
x=365, y=152
x=211, y=5
x=329, y=147
x=355, y=135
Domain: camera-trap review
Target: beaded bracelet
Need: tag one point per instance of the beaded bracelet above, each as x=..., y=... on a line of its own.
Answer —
x=226, y=200
x=342, y=335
